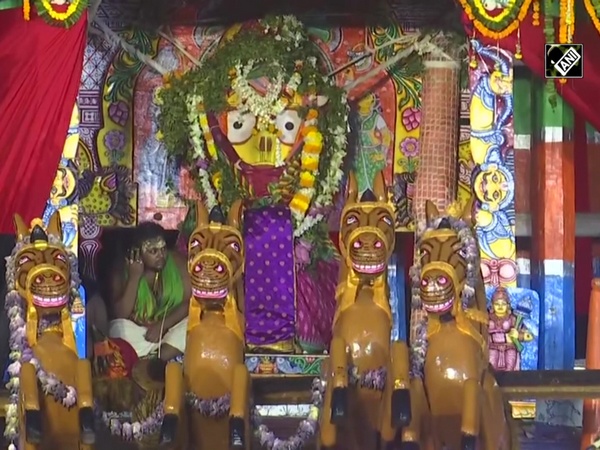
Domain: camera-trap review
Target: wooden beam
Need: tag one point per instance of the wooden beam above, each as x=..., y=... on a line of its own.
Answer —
x=520, y=385
x=586, y=225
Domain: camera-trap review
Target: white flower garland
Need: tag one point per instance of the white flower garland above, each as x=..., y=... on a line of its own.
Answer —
x=210, y=197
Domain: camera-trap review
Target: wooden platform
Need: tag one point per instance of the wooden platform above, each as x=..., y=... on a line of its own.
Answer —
x=286, y=380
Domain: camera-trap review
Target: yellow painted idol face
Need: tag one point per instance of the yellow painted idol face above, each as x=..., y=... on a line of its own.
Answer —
x=63, y=186
x=492, y=187
x=263, y=147
x=263, y=123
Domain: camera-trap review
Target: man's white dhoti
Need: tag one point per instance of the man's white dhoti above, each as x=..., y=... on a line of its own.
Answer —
x=134, y=334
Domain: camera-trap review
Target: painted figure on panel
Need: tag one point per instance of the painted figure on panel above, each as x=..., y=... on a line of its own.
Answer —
x=513, y=328
x=507, y=332
x=374, y=143
x=493, y=181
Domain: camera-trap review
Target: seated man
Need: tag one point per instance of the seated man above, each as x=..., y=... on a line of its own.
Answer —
x=150, y=296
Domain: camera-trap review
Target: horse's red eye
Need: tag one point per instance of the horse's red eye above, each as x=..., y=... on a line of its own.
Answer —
x=235, y=246
x=24, y=259
x=442, y=281
x=195, y=243
x=61, y=257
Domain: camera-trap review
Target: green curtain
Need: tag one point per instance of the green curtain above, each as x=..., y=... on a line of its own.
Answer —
x=9, y=4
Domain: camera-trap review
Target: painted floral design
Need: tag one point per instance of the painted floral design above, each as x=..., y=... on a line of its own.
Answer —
x=410, y=147
x=411, y=118
x=115, y=140
x=118, y=112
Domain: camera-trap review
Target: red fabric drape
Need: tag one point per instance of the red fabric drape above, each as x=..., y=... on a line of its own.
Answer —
x=583, y=94
x=40, y=70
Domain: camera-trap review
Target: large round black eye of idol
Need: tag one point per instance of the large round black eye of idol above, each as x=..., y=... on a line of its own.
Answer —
x=289, y=126
x=237, y=125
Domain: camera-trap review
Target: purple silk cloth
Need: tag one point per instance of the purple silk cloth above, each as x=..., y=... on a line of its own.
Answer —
x=269, y=278
x=316, y=304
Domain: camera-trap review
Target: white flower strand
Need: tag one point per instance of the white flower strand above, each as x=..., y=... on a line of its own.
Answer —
x=210, y=197
x=264, y=107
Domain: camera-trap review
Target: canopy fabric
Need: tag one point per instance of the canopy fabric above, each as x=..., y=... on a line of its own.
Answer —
x=41, y=67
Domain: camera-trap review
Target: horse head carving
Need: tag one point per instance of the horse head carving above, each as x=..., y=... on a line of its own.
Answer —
x=367, y=234
x=216, y=263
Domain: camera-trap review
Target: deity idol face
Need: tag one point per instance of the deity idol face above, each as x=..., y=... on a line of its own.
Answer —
x=491, y=187
x=263, y=122
x=263, y=147
x=501, y=307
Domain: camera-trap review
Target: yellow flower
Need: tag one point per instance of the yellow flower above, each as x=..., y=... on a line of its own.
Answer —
x=159, y=135
x=306, y=130
x=314, y=137
x=217, y=180
x=297, y=100
x=203, y=121
x=312, y=114
x=300, y=202
x=310, y=162
x=307, y=179
x=233, y=100
x=312, y=149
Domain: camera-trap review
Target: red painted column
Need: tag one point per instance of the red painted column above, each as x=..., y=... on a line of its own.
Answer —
x=553, y=231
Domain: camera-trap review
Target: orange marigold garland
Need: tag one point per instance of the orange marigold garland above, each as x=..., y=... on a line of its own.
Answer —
x=536, y=13
x=500, y=25
x=26, y=10
x=593, y=9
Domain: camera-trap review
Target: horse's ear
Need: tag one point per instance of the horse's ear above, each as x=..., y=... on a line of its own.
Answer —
x=352, y=188
x=379, y=188
x=20, y=228
x=201, y=214
x=431, y=211
x=234, y=218
x=468, y=212
x=54, y=227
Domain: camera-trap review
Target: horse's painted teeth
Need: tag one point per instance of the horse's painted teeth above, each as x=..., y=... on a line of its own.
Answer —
x=369, y=268
x=50, y=301
x=209, y=294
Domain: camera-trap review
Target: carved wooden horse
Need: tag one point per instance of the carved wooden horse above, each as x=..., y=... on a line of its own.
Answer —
x=457, y=405
x=362, y=329
x=215, y=378
x=43, y=279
